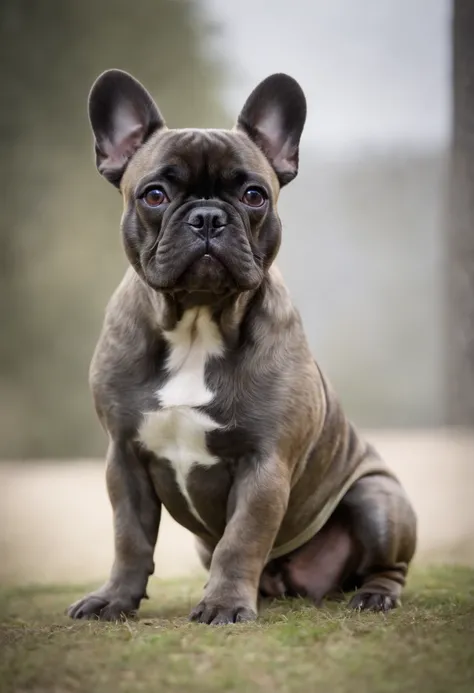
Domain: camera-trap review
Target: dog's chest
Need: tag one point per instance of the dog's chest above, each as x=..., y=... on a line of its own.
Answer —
x=177, y=431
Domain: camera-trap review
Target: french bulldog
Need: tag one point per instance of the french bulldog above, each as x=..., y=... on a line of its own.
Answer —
x=205, y=384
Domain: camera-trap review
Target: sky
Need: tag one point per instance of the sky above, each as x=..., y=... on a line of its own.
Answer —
x=375, y=72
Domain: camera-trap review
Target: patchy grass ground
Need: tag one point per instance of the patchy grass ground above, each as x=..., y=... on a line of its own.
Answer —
x=427, y=645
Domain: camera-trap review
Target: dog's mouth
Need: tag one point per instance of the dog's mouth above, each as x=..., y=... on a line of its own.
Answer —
x=210, y=269
x=207, y=274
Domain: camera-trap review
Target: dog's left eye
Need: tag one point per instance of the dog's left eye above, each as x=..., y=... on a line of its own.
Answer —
x=154, y=197
x=253, y=197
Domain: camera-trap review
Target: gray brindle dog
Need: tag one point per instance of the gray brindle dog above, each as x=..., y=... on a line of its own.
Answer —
x=204, y=381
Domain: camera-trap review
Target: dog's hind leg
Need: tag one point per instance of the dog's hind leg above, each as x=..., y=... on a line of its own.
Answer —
x=367, y=544
x=383, y=524
x=322, y=566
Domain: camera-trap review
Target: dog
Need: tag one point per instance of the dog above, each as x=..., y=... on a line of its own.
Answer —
x=205, y=384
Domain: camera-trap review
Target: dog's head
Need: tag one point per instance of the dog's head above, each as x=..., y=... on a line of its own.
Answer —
x=200, y=210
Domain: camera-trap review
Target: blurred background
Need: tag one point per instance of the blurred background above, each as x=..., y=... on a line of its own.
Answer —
x=378, y=245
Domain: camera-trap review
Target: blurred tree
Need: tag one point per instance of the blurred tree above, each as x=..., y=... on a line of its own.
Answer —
x=60, y=250
x=460, y=244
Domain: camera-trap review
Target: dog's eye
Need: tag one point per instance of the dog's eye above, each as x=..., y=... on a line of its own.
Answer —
x=154, y=197
x=253, y=197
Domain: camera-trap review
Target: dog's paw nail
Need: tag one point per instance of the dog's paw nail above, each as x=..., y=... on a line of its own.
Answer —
x=94, y=607
x=373, y=601
x=245, y=615
x=220, y=615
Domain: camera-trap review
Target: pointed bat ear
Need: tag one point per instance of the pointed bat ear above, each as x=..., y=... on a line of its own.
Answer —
x=273, y=117
x=123, y=115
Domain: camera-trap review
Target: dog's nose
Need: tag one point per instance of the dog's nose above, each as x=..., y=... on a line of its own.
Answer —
x=207, y=222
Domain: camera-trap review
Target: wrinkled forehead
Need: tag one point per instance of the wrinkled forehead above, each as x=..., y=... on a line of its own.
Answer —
x=198, y=154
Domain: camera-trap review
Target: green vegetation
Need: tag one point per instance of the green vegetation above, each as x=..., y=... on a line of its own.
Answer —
x=427, y=645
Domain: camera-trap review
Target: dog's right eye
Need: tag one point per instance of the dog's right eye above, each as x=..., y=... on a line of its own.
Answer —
x=154, y=197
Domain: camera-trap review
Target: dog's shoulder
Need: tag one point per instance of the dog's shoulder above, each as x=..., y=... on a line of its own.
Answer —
x=274, y=321
x=127, y=320
x=129, y=346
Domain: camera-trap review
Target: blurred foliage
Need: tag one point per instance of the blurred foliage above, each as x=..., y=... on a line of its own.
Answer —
x=363, y=242
x=372, y=301
x=60, y=249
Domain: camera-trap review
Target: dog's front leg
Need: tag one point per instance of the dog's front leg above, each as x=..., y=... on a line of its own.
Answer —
x=257, y=505
x=136, y=514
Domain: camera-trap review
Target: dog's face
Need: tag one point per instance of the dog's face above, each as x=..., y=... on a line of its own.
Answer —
x=200, y=212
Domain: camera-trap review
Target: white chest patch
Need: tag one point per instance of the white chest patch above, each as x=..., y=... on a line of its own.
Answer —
x=177, y=431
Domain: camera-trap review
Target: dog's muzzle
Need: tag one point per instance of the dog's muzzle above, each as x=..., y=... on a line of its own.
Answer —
x=204, y=247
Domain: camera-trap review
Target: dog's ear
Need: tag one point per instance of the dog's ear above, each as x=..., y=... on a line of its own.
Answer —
x=123, y=116
x=273, y=117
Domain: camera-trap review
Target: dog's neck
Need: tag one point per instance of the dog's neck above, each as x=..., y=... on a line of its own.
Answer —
x=227, y=311
x=165, y=311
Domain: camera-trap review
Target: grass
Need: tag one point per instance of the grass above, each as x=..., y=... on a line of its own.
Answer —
x=426, y=645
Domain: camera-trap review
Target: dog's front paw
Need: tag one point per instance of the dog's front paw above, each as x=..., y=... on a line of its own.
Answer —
x=217, y=612
x=105, y=606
